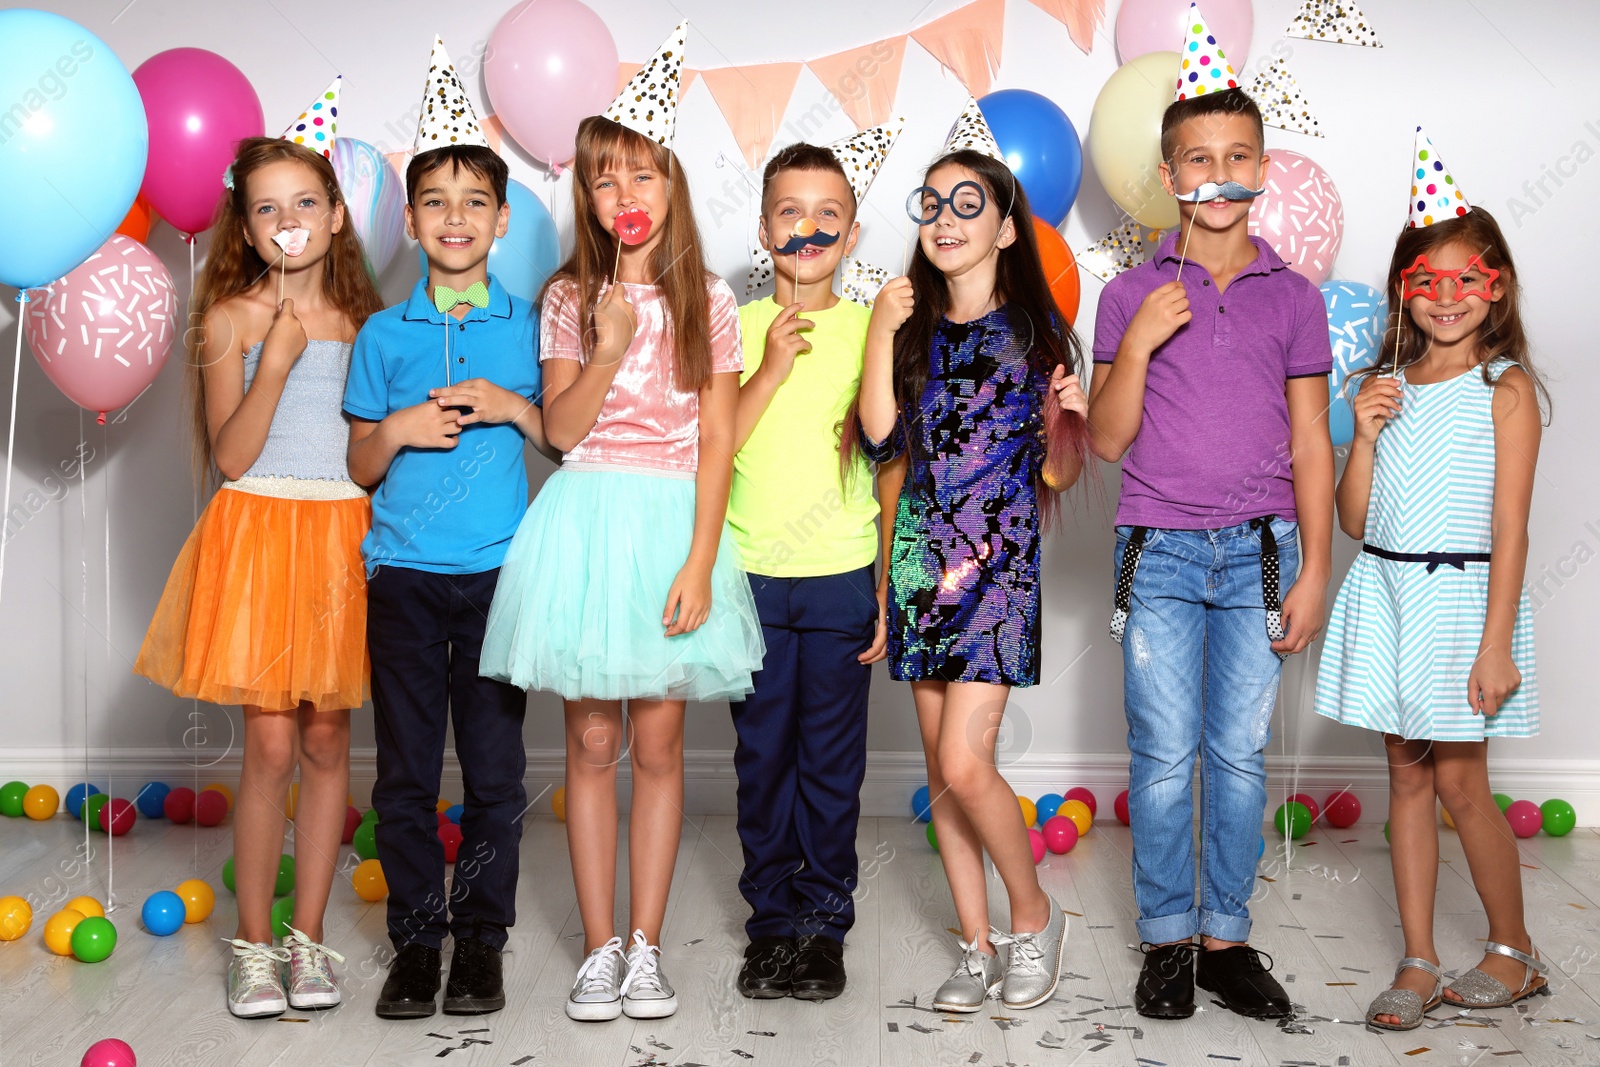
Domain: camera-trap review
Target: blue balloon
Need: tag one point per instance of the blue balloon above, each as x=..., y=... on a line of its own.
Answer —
x=920, y=804
x=529, y=252
x=77, y=795
x=1041, y=147
x=453, y=813
x=72, y=145
x=1048, y=806
x=1358, y=317
x=163, y=913
x=151, y=800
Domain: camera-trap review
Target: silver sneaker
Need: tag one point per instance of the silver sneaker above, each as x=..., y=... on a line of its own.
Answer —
x=975, y=980
x=255, y=988
x=311, y=982
x=1034, y=966
x=597, y=991
x=646, y=993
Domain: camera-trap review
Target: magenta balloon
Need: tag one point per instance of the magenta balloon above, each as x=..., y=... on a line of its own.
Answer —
x=199, y=107
x=103, y=334
x=1159, y=25
x=550, y=65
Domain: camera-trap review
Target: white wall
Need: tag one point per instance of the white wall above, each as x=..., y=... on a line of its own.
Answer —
x=1501, y=92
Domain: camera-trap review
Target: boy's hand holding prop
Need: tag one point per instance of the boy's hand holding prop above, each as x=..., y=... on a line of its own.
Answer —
x=784, y=342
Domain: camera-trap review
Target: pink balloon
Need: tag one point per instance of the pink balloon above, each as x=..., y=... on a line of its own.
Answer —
x=109, y=1053
x=1060, y=834
x=550, y=65
x=103, y=333
x=1525, y=818
x=1300, y=215
x=199, y=107
x=1159, y=25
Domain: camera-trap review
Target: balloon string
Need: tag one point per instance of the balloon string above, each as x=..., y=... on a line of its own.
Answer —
x=105, y=481
x=83, y=566
x=11, y=434
x=194, y=501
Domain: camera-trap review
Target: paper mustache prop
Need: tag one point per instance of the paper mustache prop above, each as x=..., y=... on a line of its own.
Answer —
x=1225, y=191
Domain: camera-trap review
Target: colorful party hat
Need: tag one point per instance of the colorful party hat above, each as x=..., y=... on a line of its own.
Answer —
x=648, y=104
x=1435, y=196
x=1204, y=67
x=447, y=116
x=862, y=154
x=316, y=125
x=972, y=133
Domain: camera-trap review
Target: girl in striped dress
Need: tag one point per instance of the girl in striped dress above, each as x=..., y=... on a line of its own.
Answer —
x=1431, y=638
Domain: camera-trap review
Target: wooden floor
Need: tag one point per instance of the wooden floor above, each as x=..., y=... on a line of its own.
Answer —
x=1326, y=914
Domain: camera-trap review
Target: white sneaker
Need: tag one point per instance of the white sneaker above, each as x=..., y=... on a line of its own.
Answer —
x=255, y=989
x=311, y=981
x=597, y=991
x=646, y=993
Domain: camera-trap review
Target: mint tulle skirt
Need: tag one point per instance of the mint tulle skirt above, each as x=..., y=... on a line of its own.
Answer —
x=578, y=607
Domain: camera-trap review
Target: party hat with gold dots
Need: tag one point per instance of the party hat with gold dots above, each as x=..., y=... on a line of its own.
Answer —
x=648, y=104
x=447, y=116
x=316, y=125
x=972, y=133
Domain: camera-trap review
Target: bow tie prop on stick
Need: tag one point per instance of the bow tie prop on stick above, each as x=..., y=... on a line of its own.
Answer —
x=445, y=300
x=290, y=243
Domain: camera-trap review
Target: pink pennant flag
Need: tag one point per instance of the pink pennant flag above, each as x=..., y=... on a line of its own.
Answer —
x=864, y=80
x=1081, y=18
x=628, y=70
x=753, y=100
x=966, y=42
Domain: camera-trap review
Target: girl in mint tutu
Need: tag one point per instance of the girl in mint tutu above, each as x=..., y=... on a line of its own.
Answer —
x=622, y=584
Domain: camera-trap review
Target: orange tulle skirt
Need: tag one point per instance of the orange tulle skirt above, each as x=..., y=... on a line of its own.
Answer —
x=266, y=605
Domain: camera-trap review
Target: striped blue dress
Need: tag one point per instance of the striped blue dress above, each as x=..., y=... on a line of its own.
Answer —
x=1401, y=641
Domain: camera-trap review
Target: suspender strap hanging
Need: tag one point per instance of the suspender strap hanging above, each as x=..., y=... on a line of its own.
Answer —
x=1270, y=577
x=1130, y=564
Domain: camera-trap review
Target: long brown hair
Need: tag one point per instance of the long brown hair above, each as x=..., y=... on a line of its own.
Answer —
x=233, y=266
x=1023, y=290
x=677, y=265
x=1502, y=334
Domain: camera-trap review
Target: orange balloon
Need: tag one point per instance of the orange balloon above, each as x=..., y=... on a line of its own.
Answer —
x=369, y=882
x=1060, y=267
x=136, y=224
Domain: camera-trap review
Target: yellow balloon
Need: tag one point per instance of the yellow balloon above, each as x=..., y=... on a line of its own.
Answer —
x=558, y=802
x=86, y=906
x=227, y=794
x=1125, y=137
x=1448, y=821
x=198, y=897
x=16, y=916
x=1030, y=814
x=369, y=882
x=41, y=802
x=58, y=931
x=1078, y=812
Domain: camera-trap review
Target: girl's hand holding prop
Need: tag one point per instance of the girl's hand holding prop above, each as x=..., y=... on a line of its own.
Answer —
x=1375, y=404
x=614, y=326
x=893, y=306
x=286, y=337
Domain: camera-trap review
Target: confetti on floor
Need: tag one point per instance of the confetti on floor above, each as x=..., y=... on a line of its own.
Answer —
x=894, y=1028
x=742, y=1052
x=919, y=1028
x=519, y=1063
x=1419, y=1051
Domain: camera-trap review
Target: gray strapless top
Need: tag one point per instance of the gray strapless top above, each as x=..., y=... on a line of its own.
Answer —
x=310, y=434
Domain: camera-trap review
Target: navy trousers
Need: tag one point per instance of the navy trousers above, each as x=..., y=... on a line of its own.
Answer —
x=424, y=634
x=802, y=754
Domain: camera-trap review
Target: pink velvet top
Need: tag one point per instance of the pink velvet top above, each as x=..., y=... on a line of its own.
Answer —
x=646, y=421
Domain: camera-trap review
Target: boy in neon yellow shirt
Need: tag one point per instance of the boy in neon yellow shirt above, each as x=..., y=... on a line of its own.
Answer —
x=805, y=529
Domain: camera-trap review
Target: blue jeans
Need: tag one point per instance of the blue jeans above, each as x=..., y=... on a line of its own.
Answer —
x=1200, y=678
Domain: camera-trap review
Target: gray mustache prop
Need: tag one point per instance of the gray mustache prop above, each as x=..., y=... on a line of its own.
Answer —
x=1225, y=191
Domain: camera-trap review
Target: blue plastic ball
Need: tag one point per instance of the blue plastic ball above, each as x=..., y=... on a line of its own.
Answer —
x=1262, y=851
x=921, y=802
x=1047, y=806
x=77, y=795
x=163, y=913
x=453, y=813
x=151, y=800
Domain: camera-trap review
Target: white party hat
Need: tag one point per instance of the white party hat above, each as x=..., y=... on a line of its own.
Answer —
x=447, y=116
x=1203, y=67
x=1435, y=196
x=648, y=104
x=862, y=154
x=316, y=126
x=972, y=133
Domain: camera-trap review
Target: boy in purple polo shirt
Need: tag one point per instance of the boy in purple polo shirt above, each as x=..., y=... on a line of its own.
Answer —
x=1211, y=388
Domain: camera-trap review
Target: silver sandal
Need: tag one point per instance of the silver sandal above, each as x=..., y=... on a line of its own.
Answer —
x=1405, y=1004
x=1479, y=990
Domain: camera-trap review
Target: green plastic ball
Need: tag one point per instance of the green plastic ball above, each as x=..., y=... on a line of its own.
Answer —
x=11, y=795
x=285, y=883
x=93, y=939
x=227, y=875
x=366, y=842
x=1293, y=820
x=1559, y=817
x=369, y=816
x=1502, y=802
x=933, y=838
x=91, y=810
x=282, y=916
x=1386, y=829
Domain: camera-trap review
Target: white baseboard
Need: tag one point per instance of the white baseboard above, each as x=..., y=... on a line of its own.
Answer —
x=710, y=784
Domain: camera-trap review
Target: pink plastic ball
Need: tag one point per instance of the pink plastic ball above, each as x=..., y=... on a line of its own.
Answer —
x=1036, y=839
x=1342, y=809
x=1078, y=792
x=210, y=808
x=109, y=1053
x=1311, y=805
x=1060, y=834
x=352, y=822
x=450, y=836
x=1525, y=818
x=1122, y=808
x=117, y=816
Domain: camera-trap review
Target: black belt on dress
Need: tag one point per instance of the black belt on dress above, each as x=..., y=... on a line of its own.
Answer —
x=1434, y=560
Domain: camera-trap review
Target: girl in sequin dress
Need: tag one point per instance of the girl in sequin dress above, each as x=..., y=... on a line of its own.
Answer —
x=969, y=373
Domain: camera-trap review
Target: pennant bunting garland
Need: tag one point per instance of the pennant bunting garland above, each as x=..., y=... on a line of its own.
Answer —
x=864, y=80
x=1278, y=95
x=967, y=42
x=626, y=71
x=1122, y=249
x=753, y=100
x=1082, y=18
x=1335, y=21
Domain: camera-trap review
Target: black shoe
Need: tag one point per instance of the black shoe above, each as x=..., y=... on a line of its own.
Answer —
x=768, y=962
x=818, y=968
x=475, y=986
x=1243, y=985
x=1166, y=982
x=412, y=984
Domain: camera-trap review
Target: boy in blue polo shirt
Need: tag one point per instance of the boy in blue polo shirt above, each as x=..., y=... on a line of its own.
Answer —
x=442, y=392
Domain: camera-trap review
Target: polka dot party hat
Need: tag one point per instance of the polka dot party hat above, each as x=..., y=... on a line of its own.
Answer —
x=972, y=133
x=447, y=116
x=1435, y=196
x=648, y=104
x=316, y=125
x=862, y=154
x=1203, y=67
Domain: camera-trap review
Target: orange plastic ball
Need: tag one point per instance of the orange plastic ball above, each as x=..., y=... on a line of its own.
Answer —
x=41, y=802
x=1078, y=812
x=16, y=917
x=369, y=882
x=558, y=802
x=198, y=899
x=58, y=931
x=86, y=906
